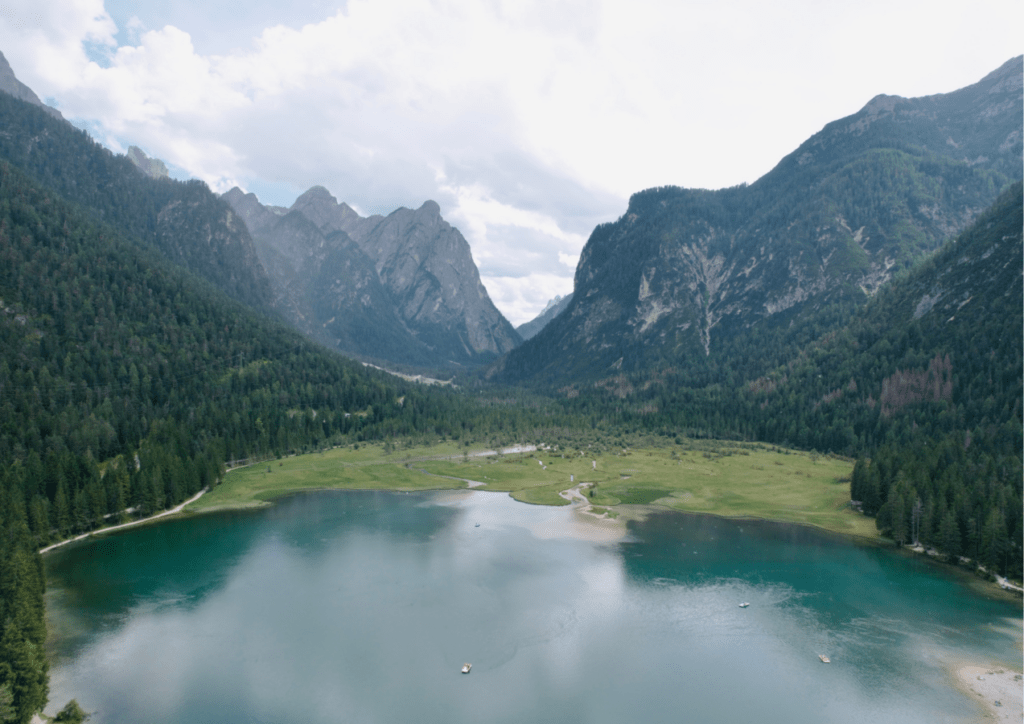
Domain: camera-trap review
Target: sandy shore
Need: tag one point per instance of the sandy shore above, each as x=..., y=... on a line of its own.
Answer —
x=998, y=690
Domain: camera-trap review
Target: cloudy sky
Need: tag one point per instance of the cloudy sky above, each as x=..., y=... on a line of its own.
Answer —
x=528, y=122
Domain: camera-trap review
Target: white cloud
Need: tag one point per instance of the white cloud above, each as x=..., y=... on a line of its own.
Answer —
x=570, y=260
x=528, y=122
x=516, y=296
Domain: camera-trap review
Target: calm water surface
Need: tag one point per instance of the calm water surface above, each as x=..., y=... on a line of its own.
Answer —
x=362, y=607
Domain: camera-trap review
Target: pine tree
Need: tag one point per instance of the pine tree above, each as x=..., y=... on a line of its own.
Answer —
x=949, y=536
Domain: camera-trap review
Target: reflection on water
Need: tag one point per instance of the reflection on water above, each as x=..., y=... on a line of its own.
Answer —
x=362, y=606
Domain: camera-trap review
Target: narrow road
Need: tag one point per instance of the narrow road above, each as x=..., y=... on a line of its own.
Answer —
x=170, y=511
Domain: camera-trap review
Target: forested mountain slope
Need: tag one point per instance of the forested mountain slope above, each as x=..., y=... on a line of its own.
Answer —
x=686, y=276
x=185, y=221
x=926, y=384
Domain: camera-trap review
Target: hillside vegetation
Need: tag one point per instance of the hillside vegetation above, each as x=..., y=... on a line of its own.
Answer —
x=923, y=384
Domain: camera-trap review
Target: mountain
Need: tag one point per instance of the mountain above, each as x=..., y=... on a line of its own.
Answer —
x=185, y=221
x=11, y=85
x=552, y=309
x=401, y=288
x=685, y=275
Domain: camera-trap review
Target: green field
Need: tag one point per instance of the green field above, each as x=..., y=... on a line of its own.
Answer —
x=368, y=468
x=723, y=479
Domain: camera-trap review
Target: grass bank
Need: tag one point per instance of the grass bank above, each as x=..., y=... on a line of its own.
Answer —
x=726, y=479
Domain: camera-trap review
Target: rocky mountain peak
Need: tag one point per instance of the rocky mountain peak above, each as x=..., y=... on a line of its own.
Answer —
x=429, y=208
x=316, y=195
x=1007, y=78
x=319, y=206
x=255, y=215
x=402, y=288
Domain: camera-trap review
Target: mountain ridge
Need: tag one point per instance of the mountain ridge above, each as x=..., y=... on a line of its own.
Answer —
x=684, y=271
x=401, y=288
x=185, y=221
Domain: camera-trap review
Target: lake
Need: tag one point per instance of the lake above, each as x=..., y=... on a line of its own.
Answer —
x=353, y=606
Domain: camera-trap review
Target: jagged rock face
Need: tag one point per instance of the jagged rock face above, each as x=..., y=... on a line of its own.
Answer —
x=428, y=268
x=863, y=199
x=254, y=215
x=402, y=288
x=320, y=207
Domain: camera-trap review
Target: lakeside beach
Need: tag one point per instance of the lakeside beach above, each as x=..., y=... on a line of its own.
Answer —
x=996, y=689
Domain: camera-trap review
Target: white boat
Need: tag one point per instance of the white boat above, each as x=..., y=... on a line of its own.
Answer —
x=824, y=659
x=744, y=604
x=466, y=668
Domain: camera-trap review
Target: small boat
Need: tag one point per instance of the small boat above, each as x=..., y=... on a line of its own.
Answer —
x=477, y=525
x=824, y=659
x=744, y=604
x=466, y=668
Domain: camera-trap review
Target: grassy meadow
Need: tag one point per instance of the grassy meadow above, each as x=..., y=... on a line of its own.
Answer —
x=726, y=479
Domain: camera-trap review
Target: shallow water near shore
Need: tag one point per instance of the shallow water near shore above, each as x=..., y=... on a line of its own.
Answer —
x=362, y=606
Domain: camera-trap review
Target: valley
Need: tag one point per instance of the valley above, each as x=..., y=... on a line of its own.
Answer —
x=835, y=348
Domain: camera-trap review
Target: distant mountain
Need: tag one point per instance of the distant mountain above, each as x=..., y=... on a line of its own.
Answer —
x=685, y=272
x=186, y=222
x=401, y=288
x=552, y=309
x=11, y=85
x=152, y=167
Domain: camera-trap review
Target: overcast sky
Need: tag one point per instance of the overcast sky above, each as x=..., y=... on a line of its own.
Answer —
x=528, y=122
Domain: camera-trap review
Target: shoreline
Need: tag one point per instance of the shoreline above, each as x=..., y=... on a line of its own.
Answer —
x=573, y=495
x=998, y=690
x=102, y=531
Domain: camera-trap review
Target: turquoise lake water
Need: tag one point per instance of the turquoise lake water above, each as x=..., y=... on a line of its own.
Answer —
x=362, y=607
